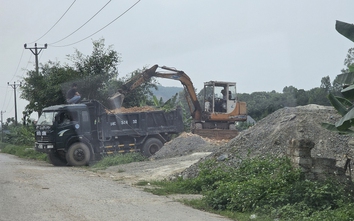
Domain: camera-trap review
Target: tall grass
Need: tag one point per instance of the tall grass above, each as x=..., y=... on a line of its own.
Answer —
x=117, y=159
x=23, y=151
x=265, y=188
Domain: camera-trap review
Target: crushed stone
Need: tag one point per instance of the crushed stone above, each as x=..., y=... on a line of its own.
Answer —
x=268, y=137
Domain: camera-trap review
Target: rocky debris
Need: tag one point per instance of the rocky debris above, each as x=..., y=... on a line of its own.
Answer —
x=185, y=144
x=271, y=136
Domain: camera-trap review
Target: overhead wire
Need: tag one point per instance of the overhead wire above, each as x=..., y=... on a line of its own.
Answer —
x=13, y=76
x=55, y=23
x=81, y=25
x=18, y=65
x=101, y=28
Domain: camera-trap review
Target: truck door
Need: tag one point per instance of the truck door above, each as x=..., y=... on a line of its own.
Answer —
x=67, y=127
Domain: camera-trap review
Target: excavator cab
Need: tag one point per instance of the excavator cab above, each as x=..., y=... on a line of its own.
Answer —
x=219, y=96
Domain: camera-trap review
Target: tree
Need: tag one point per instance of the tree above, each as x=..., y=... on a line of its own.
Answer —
x=46, y=87
x=326, y=83
x=93, y=74
x=96, y=71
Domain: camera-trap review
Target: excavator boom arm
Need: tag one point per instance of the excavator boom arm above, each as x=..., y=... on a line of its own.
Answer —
x=117, y=99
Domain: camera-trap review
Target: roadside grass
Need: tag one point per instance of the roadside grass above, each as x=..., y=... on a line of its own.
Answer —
x=23, y=151
x=261, y=189
x=117, y=159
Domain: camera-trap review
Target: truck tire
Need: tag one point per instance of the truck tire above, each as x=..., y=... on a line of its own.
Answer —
x=56, y=159
x=78, y=154
x=151, y=146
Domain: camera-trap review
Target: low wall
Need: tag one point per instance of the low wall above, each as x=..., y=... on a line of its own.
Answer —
x=299, y=152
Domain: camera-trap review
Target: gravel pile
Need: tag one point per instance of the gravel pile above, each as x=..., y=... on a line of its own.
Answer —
x=270, y=136
x=185, y=144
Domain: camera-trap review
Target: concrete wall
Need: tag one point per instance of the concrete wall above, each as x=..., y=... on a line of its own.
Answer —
x=299, y=151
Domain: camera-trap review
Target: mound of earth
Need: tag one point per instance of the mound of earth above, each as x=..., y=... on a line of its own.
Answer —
x=185, y=144
x=271, y=136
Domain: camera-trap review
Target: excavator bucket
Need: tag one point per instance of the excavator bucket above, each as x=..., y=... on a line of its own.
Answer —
x=116, y=100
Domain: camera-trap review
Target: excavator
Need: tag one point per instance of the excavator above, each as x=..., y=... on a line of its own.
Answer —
x=221, y=109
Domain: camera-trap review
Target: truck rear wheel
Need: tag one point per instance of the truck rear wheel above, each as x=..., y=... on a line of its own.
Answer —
x=57, y=159
x=151, y=146
x=78, y=154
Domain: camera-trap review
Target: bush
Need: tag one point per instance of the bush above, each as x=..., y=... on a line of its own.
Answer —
x=22, y=151
x=266, y=185
x=269, y=187
x=20, y=135
x=117, y=159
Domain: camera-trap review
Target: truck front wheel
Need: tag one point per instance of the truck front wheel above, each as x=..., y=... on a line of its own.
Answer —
x=57, y=159
x=78, y=154
x=151, y=146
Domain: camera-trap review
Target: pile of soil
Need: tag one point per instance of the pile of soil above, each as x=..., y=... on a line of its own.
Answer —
x=270, y=136
x=185, y=144
x=132, y=109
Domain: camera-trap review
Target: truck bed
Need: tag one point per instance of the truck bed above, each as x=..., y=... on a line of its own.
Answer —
x=142, y=123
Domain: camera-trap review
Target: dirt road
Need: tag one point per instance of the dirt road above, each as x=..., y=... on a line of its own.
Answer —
x=32, y=190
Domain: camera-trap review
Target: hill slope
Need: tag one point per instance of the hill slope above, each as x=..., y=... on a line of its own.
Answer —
x=166, y=92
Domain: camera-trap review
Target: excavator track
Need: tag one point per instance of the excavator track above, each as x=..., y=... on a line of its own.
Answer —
x=216, y=134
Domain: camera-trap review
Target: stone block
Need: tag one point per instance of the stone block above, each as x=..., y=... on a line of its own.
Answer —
x=327, y=162
x=304, y=162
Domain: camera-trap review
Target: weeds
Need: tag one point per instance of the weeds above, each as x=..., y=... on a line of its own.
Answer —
x=24, y=151
x=117, y=159
x=266, y=188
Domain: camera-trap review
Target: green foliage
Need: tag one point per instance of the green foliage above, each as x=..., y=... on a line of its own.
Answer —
x=140, y=95
x=345, y=29
x=22, y=151
x=93, y=74
x=169, y=105
x=344, y=104
x=117, y=159
x=20, y=135
x=46, y=88
x=267, y=187
x=95, y=71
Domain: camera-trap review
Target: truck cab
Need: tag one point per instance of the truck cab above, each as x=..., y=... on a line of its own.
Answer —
x=59, y=127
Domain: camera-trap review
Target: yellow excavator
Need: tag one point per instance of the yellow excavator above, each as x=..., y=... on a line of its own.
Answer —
x=221, y=109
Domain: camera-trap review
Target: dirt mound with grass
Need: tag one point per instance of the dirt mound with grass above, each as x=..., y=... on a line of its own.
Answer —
x=185, y=144
x=271, y=136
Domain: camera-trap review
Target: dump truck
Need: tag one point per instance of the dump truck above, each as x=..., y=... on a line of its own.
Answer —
x=220, y=111
x=77, y=134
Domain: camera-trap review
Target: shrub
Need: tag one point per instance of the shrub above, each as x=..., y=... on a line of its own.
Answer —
x=22, y=151
x=269, y=187
x=117, y=159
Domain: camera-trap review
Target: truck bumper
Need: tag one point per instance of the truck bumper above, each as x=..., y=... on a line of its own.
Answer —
x=44, y=147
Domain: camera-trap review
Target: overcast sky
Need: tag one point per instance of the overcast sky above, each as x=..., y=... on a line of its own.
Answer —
x=262, y=45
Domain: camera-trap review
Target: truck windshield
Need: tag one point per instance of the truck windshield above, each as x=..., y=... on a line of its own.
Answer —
x=47, y=118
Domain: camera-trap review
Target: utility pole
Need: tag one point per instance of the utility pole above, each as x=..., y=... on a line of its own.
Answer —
x=2, y=126
x=36, y=52
x=14, y=86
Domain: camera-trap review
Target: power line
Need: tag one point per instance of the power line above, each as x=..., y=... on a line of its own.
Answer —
x=101, y=28
x=5, y=101
x=15, y=86
x=18, y=64
x=55, y=23
x=83, y=24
